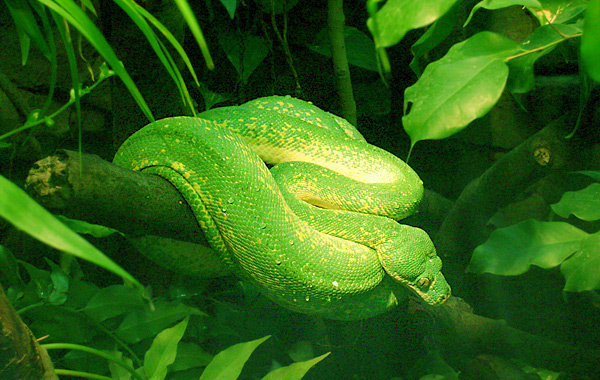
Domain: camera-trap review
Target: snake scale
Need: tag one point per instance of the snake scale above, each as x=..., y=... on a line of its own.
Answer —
x=317, y=232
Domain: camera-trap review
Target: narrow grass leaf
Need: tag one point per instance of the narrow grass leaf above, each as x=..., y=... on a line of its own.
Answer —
x=26, y=214
x=79, y=19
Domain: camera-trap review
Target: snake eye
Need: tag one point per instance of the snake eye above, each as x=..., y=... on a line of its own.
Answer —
x=423, y=282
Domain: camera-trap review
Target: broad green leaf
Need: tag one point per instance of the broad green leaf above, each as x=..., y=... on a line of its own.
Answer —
x=581, y=270
x=432, y=37
x=541, y=42
x=512, y=250
x=190, y=355
x=455, y=90
x=559, y=11
x=228, y=364
x=590, y=40
x=360, y=49
x=397, y=17
x=142, y=324
x=584, y=204
x=112, y=301
x=497, y=4
x=24, y=213
x=295, y=371
x=244, y=52
x=163, y=350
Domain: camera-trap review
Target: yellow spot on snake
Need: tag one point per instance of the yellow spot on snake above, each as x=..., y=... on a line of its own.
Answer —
x=178, y=166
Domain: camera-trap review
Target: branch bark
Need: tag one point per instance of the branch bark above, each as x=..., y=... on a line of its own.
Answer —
x=464, y=226
x=20, y=355
x=92, y=189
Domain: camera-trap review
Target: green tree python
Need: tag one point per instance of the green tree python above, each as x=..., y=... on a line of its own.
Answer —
x=317, y=232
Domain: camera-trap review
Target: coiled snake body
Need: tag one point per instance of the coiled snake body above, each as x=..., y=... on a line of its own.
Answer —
x=317, y=232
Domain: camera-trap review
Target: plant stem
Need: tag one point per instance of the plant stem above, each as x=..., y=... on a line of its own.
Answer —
x=107, y=356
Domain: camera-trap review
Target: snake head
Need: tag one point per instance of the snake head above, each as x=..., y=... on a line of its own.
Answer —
x=413, y=262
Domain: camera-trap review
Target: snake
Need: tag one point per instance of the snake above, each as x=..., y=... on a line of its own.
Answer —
x=295, y=201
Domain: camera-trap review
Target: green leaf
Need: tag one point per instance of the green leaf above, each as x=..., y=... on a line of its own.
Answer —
x=462, y=86
x=360, y=49
x=190, y=355
x=244, y=52
x=73, y=14
x=295, y=371
x=192, y=22
x=230, y=6
x=112, y=301
x=397, y=17
x=497, y=4
x=142, y=324
x=541, y=42
x=559, y=11
x=590, y=40
x=584, y=204
x=512, y=250
x=432, y=37
x=228, y=364
x=27, y=28
x=581, y=270
x=24, y=213
x=163, y=350
x=590, y=173
x=83, y=227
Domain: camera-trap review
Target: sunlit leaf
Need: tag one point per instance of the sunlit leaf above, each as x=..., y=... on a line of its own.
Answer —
x=462, y=86
x=295, y=371
x=24, y=213
x=163, y=350
x=228, y=364
x=541, y=42
x=590, y=40
x=497, y=4
x=192, y=22
x=432, y=37
x=559, y=11
x=584, y=204
x=512, y=250
x=397, y=17
x=581, y=270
